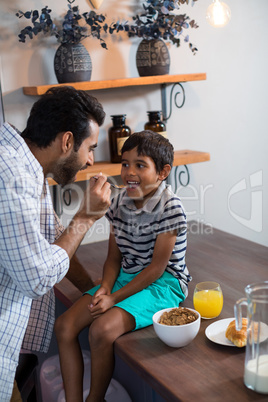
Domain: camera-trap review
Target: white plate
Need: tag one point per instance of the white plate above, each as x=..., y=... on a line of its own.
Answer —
x=215, y=332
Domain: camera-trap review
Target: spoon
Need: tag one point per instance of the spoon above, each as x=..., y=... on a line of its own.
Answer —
x=117, y=186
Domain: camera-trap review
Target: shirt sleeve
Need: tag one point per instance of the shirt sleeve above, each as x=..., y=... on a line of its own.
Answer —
x=32, y=263
x=59, y=228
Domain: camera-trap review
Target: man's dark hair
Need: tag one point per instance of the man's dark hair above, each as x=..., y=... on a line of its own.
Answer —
x=59, y=110
x=151, y=144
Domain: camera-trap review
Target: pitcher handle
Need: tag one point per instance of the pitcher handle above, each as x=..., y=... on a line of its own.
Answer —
x=238, y=312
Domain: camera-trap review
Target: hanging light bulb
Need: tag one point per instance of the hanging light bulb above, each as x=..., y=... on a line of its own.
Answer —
x=218, y=14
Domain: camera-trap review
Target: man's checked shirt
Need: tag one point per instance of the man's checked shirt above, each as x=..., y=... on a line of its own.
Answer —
x=30, y=264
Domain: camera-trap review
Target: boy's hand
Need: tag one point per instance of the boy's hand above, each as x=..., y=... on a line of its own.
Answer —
x=103, y=302
x=101, y=291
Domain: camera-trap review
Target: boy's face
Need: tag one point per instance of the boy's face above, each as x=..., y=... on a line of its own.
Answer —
x=139, y=174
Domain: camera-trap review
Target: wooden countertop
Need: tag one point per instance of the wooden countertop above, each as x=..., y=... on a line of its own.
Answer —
x=203, y=369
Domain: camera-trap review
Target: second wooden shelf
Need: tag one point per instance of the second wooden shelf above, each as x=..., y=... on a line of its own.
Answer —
x=183, y=157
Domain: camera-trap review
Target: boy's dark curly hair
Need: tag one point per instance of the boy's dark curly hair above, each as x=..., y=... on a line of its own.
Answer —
x=59, y=110
x=151, y=144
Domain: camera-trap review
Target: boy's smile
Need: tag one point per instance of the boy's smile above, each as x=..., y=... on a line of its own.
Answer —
x=139, y=174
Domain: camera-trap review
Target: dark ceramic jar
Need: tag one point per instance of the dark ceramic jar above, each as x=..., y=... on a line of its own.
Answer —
x=72, y=63
x=152, y=58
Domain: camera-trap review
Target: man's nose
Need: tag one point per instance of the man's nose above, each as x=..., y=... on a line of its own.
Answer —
x=90, y=160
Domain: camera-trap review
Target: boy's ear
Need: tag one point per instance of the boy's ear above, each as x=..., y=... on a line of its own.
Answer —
x=164, y=172
x=67, y=141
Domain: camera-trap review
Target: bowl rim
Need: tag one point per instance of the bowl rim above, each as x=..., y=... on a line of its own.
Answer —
x=175, y=326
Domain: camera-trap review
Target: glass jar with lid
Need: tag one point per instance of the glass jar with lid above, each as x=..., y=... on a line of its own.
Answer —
x=155, y=123
x=118, y=134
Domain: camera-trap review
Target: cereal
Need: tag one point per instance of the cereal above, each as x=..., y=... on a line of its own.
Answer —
x=178, y=316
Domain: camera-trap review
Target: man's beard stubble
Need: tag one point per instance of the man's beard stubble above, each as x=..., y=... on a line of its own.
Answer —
x=67, y=169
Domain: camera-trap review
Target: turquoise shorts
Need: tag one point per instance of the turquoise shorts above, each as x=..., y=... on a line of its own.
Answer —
x=163, y=293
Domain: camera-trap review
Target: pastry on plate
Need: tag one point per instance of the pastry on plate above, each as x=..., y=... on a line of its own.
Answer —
x=238, y=338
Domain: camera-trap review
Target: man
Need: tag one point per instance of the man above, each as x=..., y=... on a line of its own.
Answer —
x=35, y=250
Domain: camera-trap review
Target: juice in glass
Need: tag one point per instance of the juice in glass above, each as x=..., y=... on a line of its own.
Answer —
x=208, y=302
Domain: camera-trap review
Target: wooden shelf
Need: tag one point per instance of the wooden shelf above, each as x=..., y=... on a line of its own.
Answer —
x=183, y=157
x=123, y=82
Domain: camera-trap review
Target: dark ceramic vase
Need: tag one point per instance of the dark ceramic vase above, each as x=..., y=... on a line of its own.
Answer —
x=72, y=63
x=152, y=58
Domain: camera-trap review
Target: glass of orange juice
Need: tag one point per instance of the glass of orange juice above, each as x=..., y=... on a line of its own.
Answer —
x=208, y=299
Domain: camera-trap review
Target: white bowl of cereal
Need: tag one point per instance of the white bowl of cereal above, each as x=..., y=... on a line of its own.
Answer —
x=176, y=326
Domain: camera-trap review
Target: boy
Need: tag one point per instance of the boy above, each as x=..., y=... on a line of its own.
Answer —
x=144, y=271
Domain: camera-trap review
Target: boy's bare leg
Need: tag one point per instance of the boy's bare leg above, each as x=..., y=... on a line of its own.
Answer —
x=67, y=328
x=103, y=332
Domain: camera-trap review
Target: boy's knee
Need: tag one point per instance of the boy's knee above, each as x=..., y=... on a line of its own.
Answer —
x=61, y=328
x=99, y=333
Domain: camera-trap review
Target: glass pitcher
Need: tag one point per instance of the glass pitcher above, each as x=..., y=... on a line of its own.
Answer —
x=256, y=359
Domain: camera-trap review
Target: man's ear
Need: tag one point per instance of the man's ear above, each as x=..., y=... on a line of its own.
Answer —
x=164, y=172
x=67, y=141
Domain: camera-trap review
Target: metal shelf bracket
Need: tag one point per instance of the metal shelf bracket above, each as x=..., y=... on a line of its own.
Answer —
x=166, y=116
